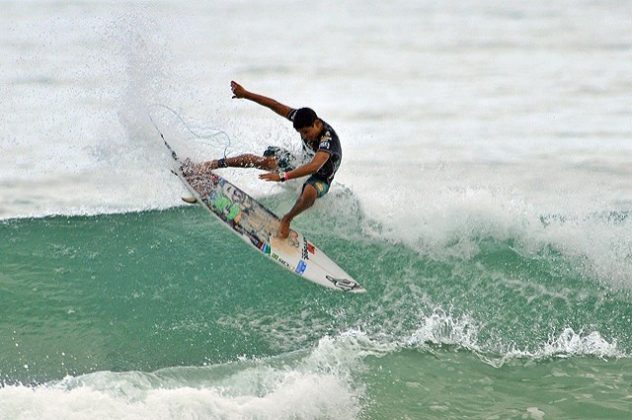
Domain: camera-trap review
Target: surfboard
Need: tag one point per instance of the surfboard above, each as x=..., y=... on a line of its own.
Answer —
x=257, y=226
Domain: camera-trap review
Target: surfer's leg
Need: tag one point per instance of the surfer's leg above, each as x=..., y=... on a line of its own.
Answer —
x=304, y=201
x=274, y=158
x=242, y=161
x=251, y=161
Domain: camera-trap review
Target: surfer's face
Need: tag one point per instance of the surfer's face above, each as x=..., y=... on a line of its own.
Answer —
x=310, y=132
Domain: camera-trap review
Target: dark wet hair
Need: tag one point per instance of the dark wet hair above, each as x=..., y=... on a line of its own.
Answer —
x=304, y=117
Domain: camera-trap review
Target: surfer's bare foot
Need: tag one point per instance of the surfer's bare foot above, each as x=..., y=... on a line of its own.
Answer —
x=284, y=228
x=206, y=166
x=187, y=167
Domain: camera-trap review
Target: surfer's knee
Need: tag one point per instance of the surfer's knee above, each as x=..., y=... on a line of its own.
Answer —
x=309, y=195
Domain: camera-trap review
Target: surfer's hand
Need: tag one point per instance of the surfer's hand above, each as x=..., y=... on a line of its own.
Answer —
x=238, y=90
x=270, y=176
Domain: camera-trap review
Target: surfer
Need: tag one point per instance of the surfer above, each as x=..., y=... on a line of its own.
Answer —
x=321, y=158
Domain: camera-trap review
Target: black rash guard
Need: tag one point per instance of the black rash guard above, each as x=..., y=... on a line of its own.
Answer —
x=327, y=142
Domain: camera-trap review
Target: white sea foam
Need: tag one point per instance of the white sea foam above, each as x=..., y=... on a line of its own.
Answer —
x=566, y=344
x=314, y=385
x=444, y=211
x=441, y=328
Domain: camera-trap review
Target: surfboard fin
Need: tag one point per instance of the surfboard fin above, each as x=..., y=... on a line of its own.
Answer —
x=344, y=284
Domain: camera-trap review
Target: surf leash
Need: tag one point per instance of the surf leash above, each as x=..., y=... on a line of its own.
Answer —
x=197, y=135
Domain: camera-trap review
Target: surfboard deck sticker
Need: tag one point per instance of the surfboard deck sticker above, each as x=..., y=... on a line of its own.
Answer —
x=257, y=226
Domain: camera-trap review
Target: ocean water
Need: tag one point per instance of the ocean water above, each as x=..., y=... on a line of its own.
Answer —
x=484, y=202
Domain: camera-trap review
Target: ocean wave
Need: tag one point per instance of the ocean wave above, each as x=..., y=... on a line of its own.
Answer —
x=307, y=384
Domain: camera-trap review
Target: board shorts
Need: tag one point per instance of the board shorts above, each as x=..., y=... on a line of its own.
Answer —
x=286, y=161
x=321, y=186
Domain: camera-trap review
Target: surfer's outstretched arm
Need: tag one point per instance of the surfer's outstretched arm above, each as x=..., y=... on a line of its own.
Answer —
x=240, y=92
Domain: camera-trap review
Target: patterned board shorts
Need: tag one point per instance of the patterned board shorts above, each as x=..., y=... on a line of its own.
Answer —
x=286, y=161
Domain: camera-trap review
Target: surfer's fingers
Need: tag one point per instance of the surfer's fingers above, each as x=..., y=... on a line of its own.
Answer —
x=267, y=177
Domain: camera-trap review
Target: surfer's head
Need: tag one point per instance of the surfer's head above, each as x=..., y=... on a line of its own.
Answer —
x=306, y=122
x=304, y=117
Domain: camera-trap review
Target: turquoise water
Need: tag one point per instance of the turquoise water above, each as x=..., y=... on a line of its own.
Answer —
x=133, y=306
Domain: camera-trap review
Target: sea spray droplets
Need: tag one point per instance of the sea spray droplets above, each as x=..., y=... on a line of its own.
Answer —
x=441, y=328
x=570, y=343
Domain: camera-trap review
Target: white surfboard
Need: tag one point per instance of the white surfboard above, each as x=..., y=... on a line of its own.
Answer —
x=257, y=226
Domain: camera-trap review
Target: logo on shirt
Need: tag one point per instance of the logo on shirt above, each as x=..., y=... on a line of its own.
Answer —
x=325, y=141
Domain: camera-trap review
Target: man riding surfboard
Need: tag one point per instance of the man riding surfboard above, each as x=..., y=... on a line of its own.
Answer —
x=322, y=155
